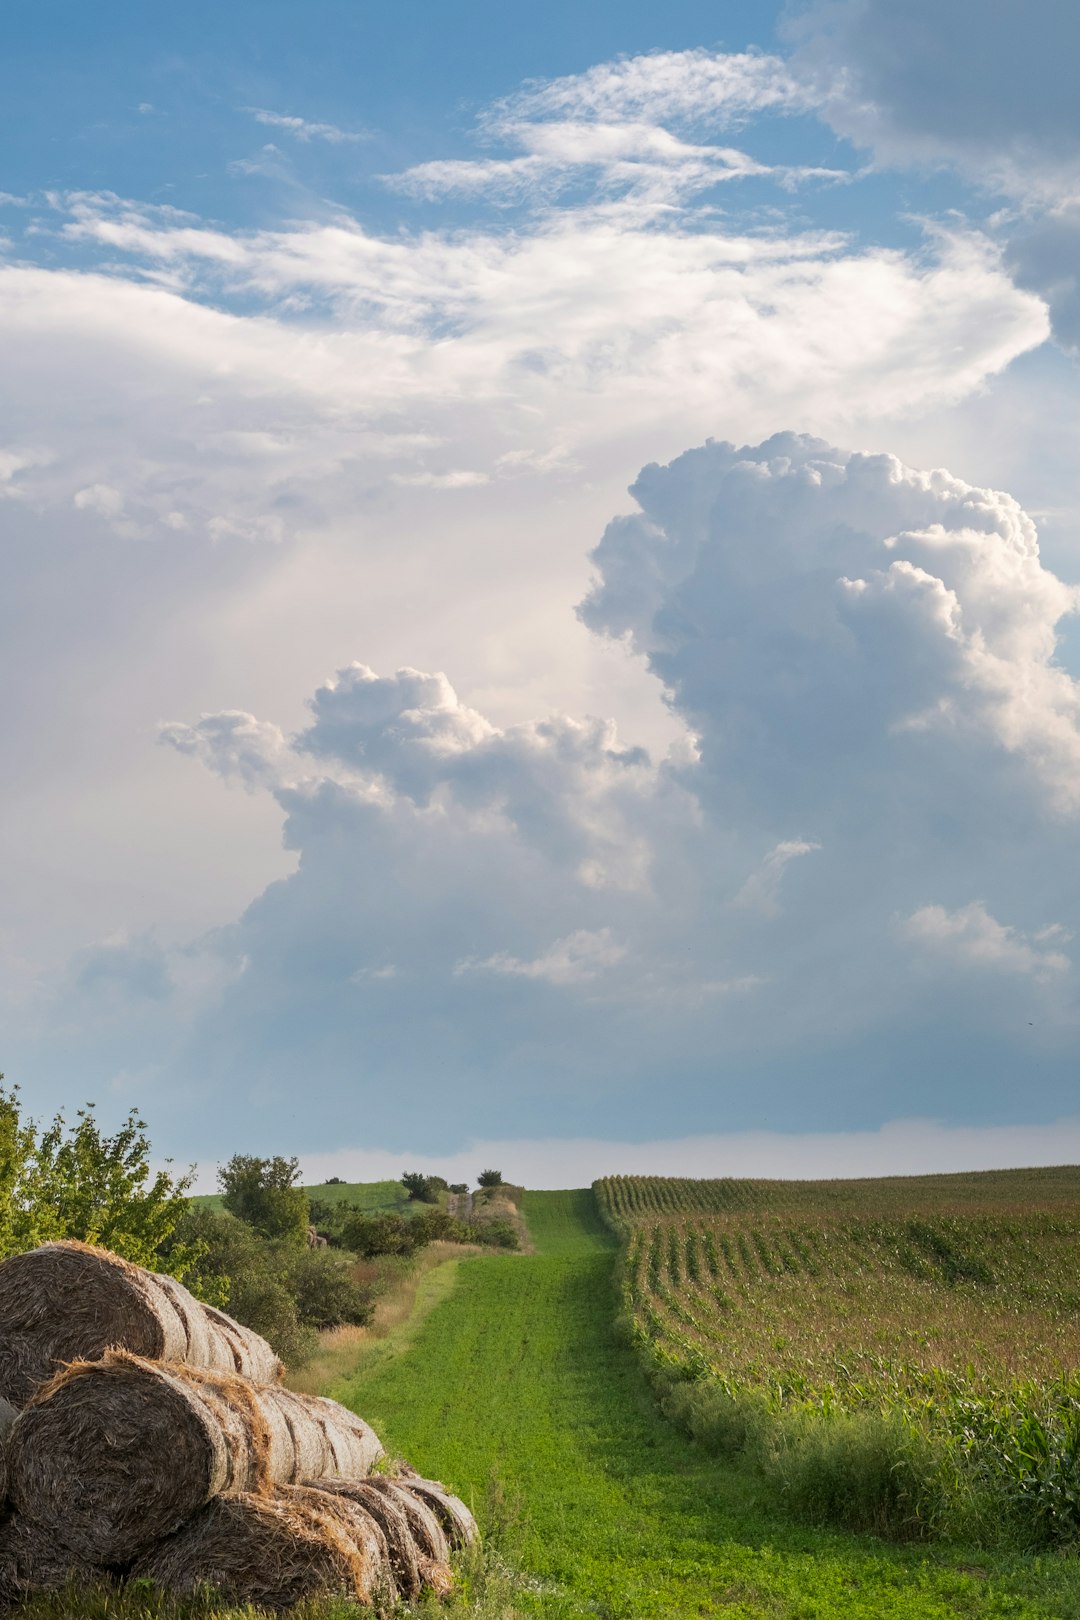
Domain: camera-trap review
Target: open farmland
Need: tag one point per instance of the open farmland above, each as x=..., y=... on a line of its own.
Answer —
x=924, y=1331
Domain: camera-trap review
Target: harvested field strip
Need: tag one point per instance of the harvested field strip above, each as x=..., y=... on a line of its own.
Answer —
x=520, y=1369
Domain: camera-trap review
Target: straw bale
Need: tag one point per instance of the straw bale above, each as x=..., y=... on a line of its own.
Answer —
x=450, y=1510
x=408, y=1561
x=268, y=1550
x=68, y=1301
x=32, y=1561
x=426, y=1530
x=115, y=1454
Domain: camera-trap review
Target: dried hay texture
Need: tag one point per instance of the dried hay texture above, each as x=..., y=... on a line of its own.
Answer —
x=456, y=1520
x=271, y=1551
x=68, y=1301
x=408, y=1562
x=32, y=1561
x=112, y=1455
x=426, y=1530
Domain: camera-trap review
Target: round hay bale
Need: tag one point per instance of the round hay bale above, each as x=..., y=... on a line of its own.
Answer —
x=362, y=1529
x=68, y=1301
x=114, y=1454
x=270, y=1551
x=32, y=1561
x=390, y=1516
x=426, y=1530
x=457, y=1522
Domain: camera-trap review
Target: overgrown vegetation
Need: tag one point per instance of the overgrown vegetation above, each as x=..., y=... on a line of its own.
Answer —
x=78, y=1181
x=896, y=1356
x=265, y=1194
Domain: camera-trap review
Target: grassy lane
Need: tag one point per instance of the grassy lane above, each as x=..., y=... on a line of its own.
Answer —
x=517, y=1375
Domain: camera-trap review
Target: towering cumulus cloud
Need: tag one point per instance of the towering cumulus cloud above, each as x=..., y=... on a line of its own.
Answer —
x=847, y=889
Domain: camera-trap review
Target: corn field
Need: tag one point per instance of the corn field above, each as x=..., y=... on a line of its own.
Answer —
x=948, y=1307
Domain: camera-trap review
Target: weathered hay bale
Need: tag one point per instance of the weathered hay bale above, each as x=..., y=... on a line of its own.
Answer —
x=408, y=1562
x=425, y=1529
x=8, y=1415
x=68, y=1301
x=32, y=1561
x=111, y=1455
x=362, y=1529
x=456, y=1520
x=270, y=1551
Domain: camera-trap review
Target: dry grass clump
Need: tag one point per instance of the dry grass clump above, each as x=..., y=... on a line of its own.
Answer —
x=270, y=1551
x=114, y=1454
x=456, y=1521
x=68, y=1301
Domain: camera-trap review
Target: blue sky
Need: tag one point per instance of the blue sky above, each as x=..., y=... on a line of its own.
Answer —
x=541, y=580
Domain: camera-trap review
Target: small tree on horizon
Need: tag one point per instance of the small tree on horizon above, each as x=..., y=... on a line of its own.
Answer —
x=420, y=1187
x=263, y=1192
x=489, y=1178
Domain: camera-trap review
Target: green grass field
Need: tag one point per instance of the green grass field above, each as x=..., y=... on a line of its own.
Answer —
x=517, y=1390
x=367, y=1195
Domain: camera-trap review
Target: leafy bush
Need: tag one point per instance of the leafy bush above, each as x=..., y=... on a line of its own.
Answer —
x=382, y=1232
x=458, y=1187
x=420, y=1187
x=281, y=1290
x=263, y=1192
x=489, y=1178
x=79, y=1182
x=326, y=1294
x=498, y=1233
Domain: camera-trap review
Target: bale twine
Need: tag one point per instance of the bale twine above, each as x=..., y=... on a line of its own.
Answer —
x=454, y=1517
x=112, y=1455
x=270, y=1551
x=68, y=1301
x=32, y=1561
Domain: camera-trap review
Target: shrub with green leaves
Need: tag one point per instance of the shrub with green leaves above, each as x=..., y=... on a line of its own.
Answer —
x=264, y=1193
x=78, y=1181
x=283, y=1291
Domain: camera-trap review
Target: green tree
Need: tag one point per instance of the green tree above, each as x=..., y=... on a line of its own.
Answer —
x=420, y=1187
x=489, y=1178
x=80, y=1182
x=263, y=1192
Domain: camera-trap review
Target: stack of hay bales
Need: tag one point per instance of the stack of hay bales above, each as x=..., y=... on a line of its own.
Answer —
x=144, y=1433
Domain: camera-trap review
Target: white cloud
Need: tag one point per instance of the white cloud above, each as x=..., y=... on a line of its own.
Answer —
x=924, y=88
x=712, y=88
x=103, y=499
x=303, y=129
x=577, y=959
x=761, y=891
x=972, y=936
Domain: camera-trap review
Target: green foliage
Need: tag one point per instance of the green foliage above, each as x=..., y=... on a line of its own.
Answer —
x=489, y=1178
x=902, y=1367
x=263, y=1192
x=420, y=1187
x=77, y=1181
x=283, y=1291
x=497, y=1233
x=388, y=1233
x=458, y=1187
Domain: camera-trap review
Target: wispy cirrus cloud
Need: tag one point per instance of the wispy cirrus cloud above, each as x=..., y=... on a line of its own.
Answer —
x=306, y=129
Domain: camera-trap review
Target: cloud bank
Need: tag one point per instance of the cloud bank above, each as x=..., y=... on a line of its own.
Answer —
x=839, y=897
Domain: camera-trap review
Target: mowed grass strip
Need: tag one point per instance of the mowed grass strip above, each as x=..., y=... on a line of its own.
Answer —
x=519, y=1377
